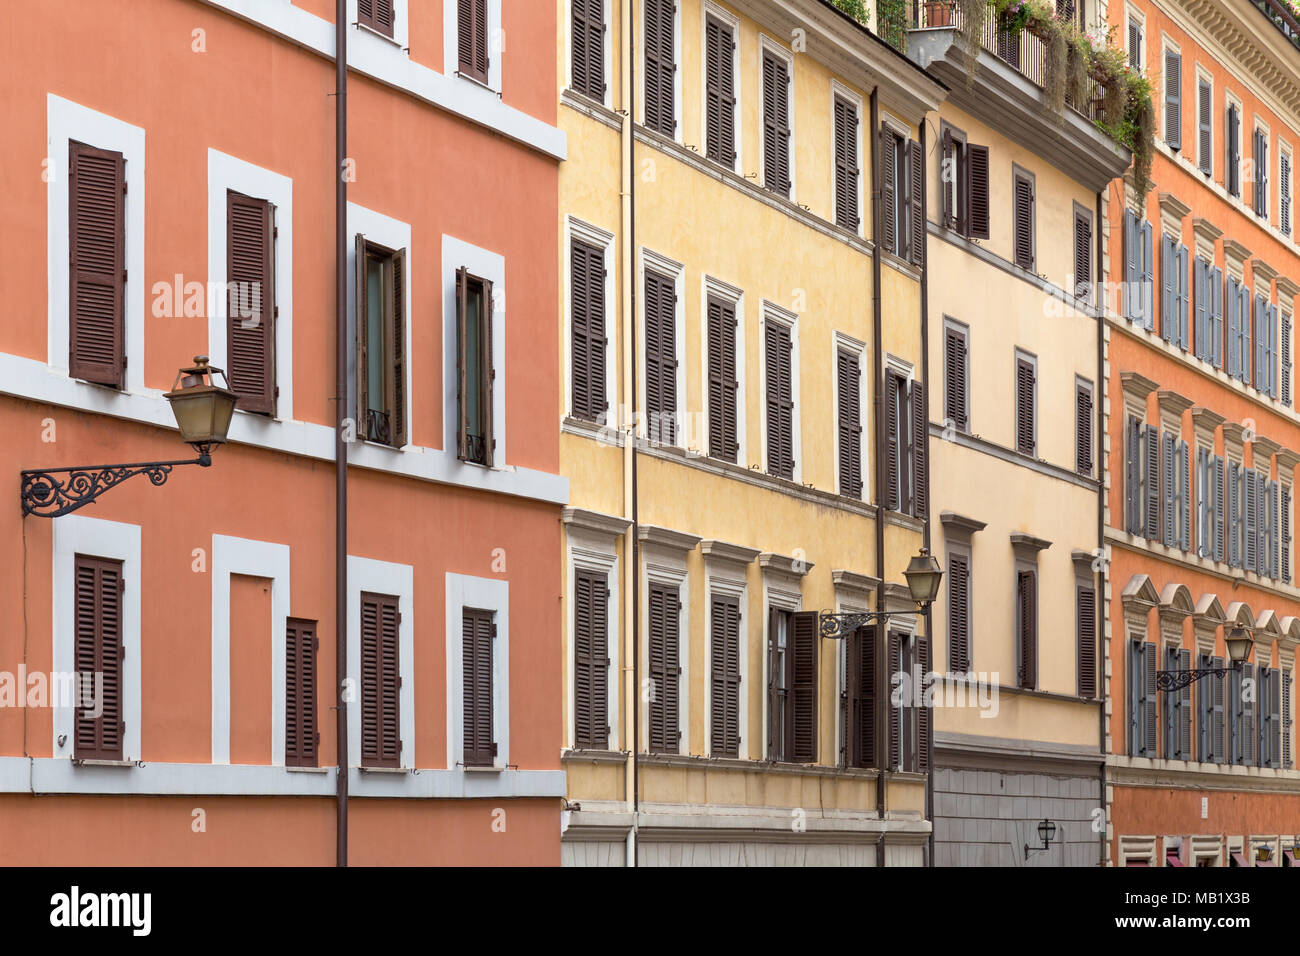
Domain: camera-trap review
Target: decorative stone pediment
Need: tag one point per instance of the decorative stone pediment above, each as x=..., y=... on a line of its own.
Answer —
x=1207, y=234
x=1136, y=388
x=1172, y=406
x=1206, y=621
x=1138, y=598
x=1204, y=423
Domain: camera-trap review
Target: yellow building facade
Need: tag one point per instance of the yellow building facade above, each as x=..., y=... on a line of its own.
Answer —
x=744, y=434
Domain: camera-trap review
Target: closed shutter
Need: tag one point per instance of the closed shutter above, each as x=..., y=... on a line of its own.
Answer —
x=977, y=191
x=1132, y=266
x=1284, y=194
x=1169, y=487
x=1233, y=173
x=1274, y=532
x=861, y=660
x=1180, y=302
x=893, y=442
x=1260, y=376
x=1250, y=557
x=1082, y=255
x=956, y=398
x=301, y=738
x=895, y=656
x=920, y=452
x=251, y=311
x=1027, y=627
x=1286, y=720
x=1270, y=351
x=846, y=164
x=1151, y=519
x=1173, y=99
x=660, y=66
x=1169, y=710
x=590, y=659
x=665, y=668
x=1133, y=476
x=889, y=198
x=96, y=264
x=803, y=689
x=1261, y=174
x=1218, y=509
x=1134, y=710
x=1234, y=514
x=661, y=356
x=477, y=632
x=1235, y=320
x=719, y=92
x=587, y=330
x=776, y=124
x=1083, y=430
x=780, y=401
x=958, y=614
x=1024, y=406
x=1286, y=359
x=471, y=38
x=1185, y=496
x=1135, y=45
x=588, y=50
x=1201, y=307
x=1024, y=223
x=724, y=677
x=723, y=385
x=98, y=649
x=380, y=680
x=1086, y=616
x=917, y=239
x=848, y=373
x=1009, y=47
x=1205, y=128
x=1168, y=287
x=379, y=15
x=1274, y=718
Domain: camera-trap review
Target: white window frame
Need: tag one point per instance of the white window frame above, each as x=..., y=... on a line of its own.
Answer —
x=604, y=240
x=638, y=29
x=656, y=262
x=383, y=577
x=489, y=594
x=261, y=559
x=73, y=535
x=590, y=550
x=496, y=42
x=711, y=9
x=838, y=89
x=726, y=578
x=667, y=566
x=773, y=313
x=711, y=286
x=227, y=172
x=770, y=45
x=66, y=120
x=484, y=264
x=843, y=342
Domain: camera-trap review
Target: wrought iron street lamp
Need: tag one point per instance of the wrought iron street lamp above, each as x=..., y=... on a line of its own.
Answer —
x=1239, y=642
x=923, y=576
x=1046, y=833
x=203, y=412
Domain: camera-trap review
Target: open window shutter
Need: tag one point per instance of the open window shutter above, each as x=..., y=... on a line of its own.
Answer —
x=1284, y=194
x=1274, y=717
x=1150, y=695
x=918, y=203
x=1168, y=279
x=803, y=654
x=1216, y=316
x=1024, y=221
x=977, y=169
x=97, y=265
x=1233, y=173
x=924, y=722
x=1152, y=517
x=301, y=735
x=1201, y=307
x=250, y=314
x=478, y=631
x=893, y=387
x=98, y=649
x=1185, y=709
x=1086, y=618
x=397, y=356
x=847, y=375
x=1218, y=712
x=362, y=349
x=1205, y=114
x=1132, y=298
x=1271, y=318
x=1133, y=476
x=1247, y=748
x=1027, y=626
x=471, y=34
x=1260, y=375
x=1234, y=329
x=888, y=198
x=488, y=378
x=861, y=658
x=1082, y=430
x=1180, y=300
x=948, y=169
x=920, y=451
x=462, y=403
x=1173, y=100
x=1148, y=276
x=895, y=652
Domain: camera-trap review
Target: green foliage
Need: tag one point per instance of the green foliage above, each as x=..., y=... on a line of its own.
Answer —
x=891, y=22
x=857, y=9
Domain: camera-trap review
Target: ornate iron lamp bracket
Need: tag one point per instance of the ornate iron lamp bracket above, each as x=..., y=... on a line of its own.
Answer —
x=836, y=626
x=51, y=492
x=1178, y=679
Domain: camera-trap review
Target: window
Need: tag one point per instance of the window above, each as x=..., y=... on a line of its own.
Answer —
x=1027, y=628
x=379, y=15
x=1082, y=253
x=1233, y=520
x=1243, y=730
x=1285, y=353
x=860, y=693
x=1024, y=220
x=99, y=651
x=1173, y=291
x=1142, y=479
x=381, y=343
x=1008, y=44
x=1232, y=174
x=909, y=725
x=1139, y=270
x=720, y=91
x=1205, y=126
x=848, y=376
x=251, y=312
x=956, y=376
x=1085, y=616
x=1209, y=524
x=665, y=667
x=959, y=612
x=723, y=383
x=1210, y=737
x=1208, y=282
x=1083, y=427
x=1142, y=739
x=1260, y=173
x=847, y=172
x=660, y=66
x=1270, y=716
x=1286, y=719
x=590, y=659
x=301, y=739
x=475, y=374
x=1284, y=534
x=471, y=37
x=1174, y=502
x=964, y=185
x=1135, y=43
x=1026, y=401
x=1284, y=192
x=381, y=680
x=906, y=445
x=1178, y=709
x=724, y=676
x=97, y=254
x=1173, y=99
x=792, y=685
x=587, y=48
x=1265, y=345
x=1238, y=297
x=780, y=399
x=661, y=356
x=478, y=629
x=587, y=330
x=903, y=171
x=776, y=123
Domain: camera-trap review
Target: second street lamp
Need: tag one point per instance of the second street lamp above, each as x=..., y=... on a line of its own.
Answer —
x=923, y=576
x=1238, y=640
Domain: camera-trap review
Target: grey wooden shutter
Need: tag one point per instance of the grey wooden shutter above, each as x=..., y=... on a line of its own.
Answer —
x=1135, y=45
x=478, y=630
x=977, y=190
x=1024, y=222
x=1201, y=307
x=917, y=238
x=1286, y=359
x=1133, y=712
x=471, y=37
x=1204, y=504
x=1180, y=300
x=724, y=677
x=587, y=330
x=1232, y=176
x=660, y=66
x=1285, y=534
x=661, y=356
x=1284, y=194
x=958, y=613
x=1246, y=750
x=1234, y=514
x=893, y=441
x=665, y=668
x=1274, y=718
x=846, y=164
x=96, y=265
x=1149, y=699
x=776, y=124
x=1218, y=713
x=1205, y=716
x=1082, y=255
x=1086, y=639
x=1204, y=127
x=1173, y=99
x=588, y=47
x=920, y=452
x=380, y=680
x=1148, y=276
x=1168, y=284
x=1027, y=627
x=1185, y=495
x=1219, y=518
x=98, y=650
x=803, y=687
x=1132, y=266
x=1216, y=316
x=1082, y=430
x=1274, y=532
x=956, y=384
x=590, y=659
x=250, y=315
x=924, y=719
x=848, y=374
x=1168, y=491
x=1286, y=719
x=1169, y=708
x=888, y=194
x=1260, y=196
x=719, y=92
x=1234, y=329
x=1133, y=476
x=1251, y=513
x=1270, y=350
x=861, y=661
x=780, y=400
x=1025, y=386
x=1184, y=727
x=1151, y=520
x=1259, y=378
x=301, y=738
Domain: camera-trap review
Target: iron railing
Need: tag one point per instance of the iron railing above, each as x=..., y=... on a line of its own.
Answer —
x=1282, y=16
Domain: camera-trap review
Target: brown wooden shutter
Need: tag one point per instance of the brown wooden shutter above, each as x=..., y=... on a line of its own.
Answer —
x=99, y=650
x=1082, y=255
x=380, y=680
x=362, y=345
x=397, y=351
x=378, y=15
x=97, y=265
x=719, y=93
x=924, y=724
x=721, y=332
x=846, y=164
x=776, y=124
x=471, y=38
x=301, y=738
x=587, y=330
x=956, y=390
x=1024, y=222
x=920, y=452
x=888, y=195
x=916, y=250
x=893, y=441
x=977, y=190
x=724, y=677
x=958, y=613
x=590, y=659
x=862, y=697
x=1024, y=406
x=895, y=656
x=1083, y=430
x=848, y=373
x=251, y=310
x=803, y=688
x=660, y=66
x=1027, y=627
x=478, y=630
x=588, y=47
x=661, y=356
x=1087, y=640
x=665, y=668
x=780, y=401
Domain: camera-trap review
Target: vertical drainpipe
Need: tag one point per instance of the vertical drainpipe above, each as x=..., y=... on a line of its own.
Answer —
x=877, y=404
x=1099, y=299
x=627, y=415
x=925, y=379
x=340, y=444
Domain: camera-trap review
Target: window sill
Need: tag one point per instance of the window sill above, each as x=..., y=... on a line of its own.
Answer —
x=81, y=762
x=366, y=28
x=476, y=82
x=308, y=769
x=469, y=769
x=398, y=770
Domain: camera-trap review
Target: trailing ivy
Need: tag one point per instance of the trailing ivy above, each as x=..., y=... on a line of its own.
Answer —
x=891, y=22
x=857, y=9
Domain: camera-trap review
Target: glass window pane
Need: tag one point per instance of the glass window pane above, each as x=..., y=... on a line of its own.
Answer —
x=375, y=388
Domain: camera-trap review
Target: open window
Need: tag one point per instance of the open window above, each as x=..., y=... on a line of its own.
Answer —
x=474, y=371
x=381, y=343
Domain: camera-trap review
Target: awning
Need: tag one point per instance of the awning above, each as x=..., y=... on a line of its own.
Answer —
x=1237, y=860
x=1173, y=859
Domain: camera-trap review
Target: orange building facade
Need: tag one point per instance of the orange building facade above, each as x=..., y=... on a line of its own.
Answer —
x=161, y=159
x=1203, y=442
